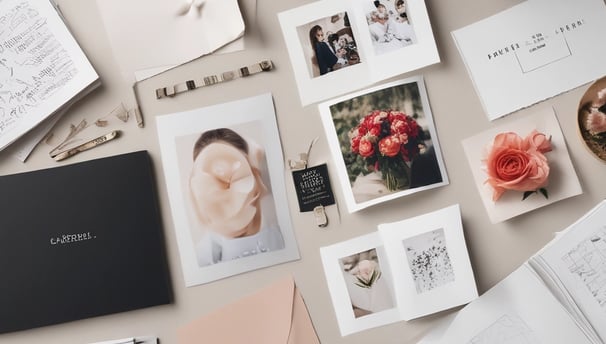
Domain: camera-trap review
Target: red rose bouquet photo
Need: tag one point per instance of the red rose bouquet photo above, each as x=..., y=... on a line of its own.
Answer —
x=388, y=141
x=516, y=163
x=384, y=143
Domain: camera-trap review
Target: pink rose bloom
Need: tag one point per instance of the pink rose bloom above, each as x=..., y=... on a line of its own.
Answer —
x=226, y=190
x=538, y=141
x=509, y=139
x=596, y=122
x=365, y=269
x=511, y=165
x=389, y=146
x=365, y=147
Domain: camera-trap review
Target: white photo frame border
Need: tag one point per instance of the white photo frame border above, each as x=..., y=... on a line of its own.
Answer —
x=524, y=89
x=456, y=293
x=258, y=108
x=563, y=180
x=415, y=56
x=372, y=68
x=331, y=255
x=312, y=89
x=333, y=142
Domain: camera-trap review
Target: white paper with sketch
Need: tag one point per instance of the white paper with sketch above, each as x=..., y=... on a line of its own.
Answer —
x=533, y=51
x=518, y=310
x=23, y=147
x=157, y=35
x=406, y=270
x=576, y=262
x=431, y=249
x=42, y=67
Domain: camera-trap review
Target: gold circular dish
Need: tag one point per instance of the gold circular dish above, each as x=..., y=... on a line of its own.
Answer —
x=591, y=118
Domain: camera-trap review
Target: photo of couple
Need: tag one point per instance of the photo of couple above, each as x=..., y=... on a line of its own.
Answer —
x=389, y=26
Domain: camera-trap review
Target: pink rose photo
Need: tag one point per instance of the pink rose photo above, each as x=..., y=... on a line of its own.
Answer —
x=521, y=166
x=367, y=288
x=516, y=163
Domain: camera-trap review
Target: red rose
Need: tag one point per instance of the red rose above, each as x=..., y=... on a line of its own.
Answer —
x=369, y=120
x=382, y=115
x=389, y=146
x=385, y=132
x=362, y=130
x=403, y=138
x=399, y=126
x=355, y=144
x=365, y=147
x=375, y=130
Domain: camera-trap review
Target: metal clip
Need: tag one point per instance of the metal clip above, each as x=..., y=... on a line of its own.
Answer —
x=320, y=216
x=303, y=161
x=86, y=146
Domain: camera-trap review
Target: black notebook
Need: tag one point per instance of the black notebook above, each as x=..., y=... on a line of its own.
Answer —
x=79, y=241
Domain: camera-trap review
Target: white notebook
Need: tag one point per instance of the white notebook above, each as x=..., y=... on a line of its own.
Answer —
x=42, y=67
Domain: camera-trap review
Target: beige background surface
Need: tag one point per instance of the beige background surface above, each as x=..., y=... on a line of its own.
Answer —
x=495, y=250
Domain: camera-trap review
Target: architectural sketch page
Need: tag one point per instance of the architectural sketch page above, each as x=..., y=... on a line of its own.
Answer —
x=578, y=258
x=518, y=310
x=41, y=66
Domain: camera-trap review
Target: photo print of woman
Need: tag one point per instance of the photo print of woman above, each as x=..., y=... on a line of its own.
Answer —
x=331, y=44
x=230, y=198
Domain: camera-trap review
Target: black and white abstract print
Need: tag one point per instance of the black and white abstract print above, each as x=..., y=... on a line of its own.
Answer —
x=428, y=260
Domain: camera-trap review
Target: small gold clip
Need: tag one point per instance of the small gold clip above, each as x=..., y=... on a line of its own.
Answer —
x=320, y=216
x=86, y=146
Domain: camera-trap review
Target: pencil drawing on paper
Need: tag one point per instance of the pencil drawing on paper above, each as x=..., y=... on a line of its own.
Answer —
x=587, y=261
x=508, y=329
x=428, y=260
x=33, y=64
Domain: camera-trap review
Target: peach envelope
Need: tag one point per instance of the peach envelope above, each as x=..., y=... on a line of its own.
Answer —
x=273, y=315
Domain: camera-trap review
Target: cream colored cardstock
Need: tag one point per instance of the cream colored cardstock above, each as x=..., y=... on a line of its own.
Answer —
x=562, y=183
x=532, y=52
x=147, y=34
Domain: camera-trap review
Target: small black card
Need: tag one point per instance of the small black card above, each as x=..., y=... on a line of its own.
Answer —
x=313, y=187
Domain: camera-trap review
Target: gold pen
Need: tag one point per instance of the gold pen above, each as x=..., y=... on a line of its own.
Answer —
x=86, y=146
